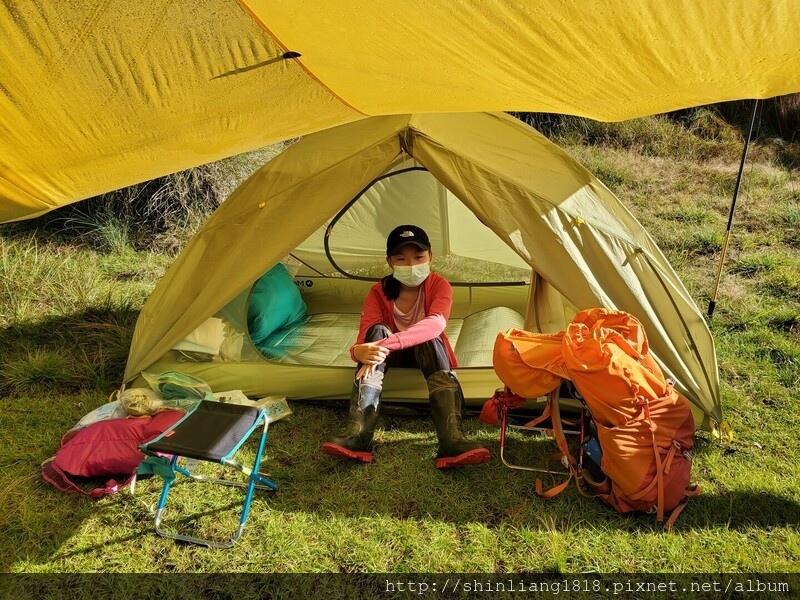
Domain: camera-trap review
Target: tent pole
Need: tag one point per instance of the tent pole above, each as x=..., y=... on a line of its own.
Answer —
x=713, y=304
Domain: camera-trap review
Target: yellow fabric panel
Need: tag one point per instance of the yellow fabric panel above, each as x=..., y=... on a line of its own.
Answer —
x=97, y=95
x=323, y=294
x=258, y=379
x=574, y=233
x=357, y=239
x=604, y=59
x=261, y=222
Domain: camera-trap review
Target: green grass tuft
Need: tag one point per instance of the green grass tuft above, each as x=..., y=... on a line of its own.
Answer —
x=784, y=282
x=690, y=215
x=762, y=262
x=39, y=371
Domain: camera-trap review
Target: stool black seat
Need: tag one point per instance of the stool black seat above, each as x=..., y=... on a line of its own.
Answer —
x=213, y=432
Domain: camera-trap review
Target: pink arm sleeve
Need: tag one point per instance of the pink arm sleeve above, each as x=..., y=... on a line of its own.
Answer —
x=431, y=326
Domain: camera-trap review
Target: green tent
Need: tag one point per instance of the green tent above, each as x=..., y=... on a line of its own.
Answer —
x=95, y=96
x=493, y=194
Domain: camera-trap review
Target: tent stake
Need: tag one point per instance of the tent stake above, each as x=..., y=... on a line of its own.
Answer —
x=713, y=304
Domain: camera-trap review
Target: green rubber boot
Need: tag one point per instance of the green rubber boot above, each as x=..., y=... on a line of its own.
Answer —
x=355, y=442
x=447, y=408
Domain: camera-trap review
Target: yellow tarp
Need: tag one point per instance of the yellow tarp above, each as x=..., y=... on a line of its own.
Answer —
x=100, y=94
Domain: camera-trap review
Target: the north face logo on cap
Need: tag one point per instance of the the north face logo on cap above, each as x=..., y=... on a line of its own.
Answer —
x=406, y=234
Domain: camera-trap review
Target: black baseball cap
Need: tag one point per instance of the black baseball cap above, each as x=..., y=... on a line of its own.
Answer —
x=406, y=234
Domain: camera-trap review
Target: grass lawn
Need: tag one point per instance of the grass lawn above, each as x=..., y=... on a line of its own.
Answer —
x=67, y=317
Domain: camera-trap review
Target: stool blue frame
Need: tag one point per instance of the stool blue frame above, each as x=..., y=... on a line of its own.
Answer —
x=223, y=429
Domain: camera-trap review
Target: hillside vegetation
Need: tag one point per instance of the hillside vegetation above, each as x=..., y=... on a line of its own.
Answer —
x=74, y=281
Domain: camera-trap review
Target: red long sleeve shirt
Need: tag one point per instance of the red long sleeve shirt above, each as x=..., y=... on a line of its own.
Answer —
x=438, y=297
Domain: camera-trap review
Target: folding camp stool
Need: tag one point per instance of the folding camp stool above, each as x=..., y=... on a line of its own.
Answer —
x=552, y=411
x=213, y=432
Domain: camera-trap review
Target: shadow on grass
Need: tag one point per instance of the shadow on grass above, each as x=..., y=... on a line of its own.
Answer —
x=44, y=527
x=403, y=483
x=62, y=354
x=740, y=511
x=52, y=372
x=41, y=521
x=401, y=489
x=145, y=526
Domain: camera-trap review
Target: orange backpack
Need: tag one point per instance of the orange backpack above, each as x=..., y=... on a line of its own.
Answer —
x=644, y=426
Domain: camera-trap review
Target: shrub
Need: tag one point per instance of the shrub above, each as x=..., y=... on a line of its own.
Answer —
x=161, y=214
x=699, y=136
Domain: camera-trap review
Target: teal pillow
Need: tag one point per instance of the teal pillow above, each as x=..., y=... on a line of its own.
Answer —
x=275, y=304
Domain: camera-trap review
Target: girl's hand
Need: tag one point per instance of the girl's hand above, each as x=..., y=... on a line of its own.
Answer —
x=365, y=371
x=370, y=353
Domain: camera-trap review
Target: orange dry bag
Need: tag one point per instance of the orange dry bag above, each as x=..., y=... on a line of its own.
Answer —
x=531, y=364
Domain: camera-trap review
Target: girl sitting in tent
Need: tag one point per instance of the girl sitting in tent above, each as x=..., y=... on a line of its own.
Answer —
x=402, y=325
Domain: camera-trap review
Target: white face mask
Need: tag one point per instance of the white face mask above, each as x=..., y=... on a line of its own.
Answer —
x=412, y=275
